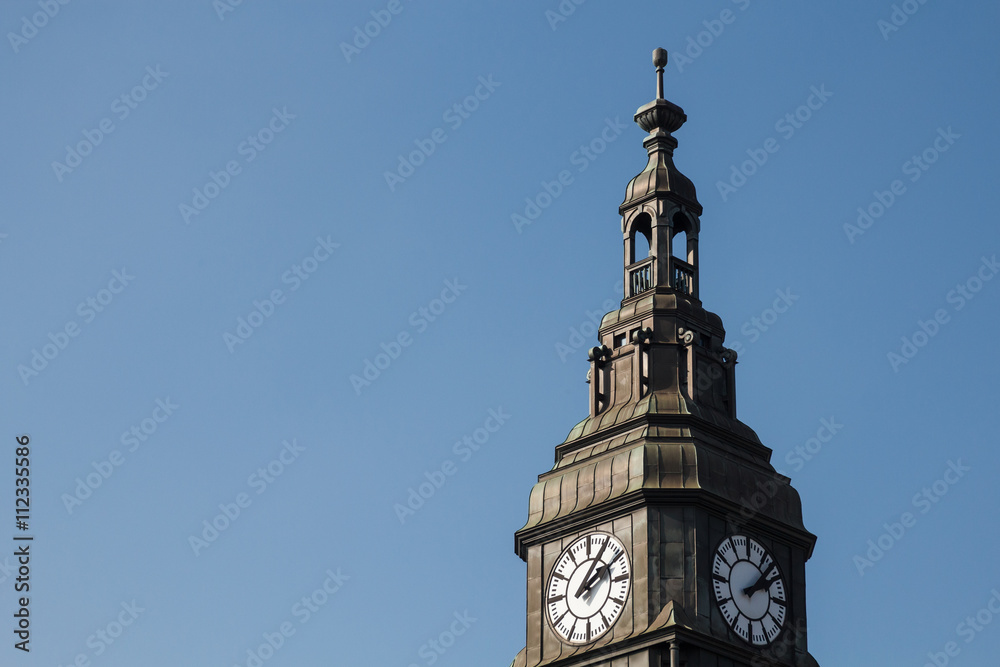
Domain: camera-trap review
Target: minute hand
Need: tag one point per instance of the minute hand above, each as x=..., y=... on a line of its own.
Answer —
x=583, y=584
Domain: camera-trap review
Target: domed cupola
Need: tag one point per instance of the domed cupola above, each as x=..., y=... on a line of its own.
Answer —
x=660, y=177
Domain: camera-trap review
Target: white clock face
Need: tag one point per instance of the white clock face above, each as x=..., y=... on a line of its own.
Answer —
x=749, y=589
x=588, y=588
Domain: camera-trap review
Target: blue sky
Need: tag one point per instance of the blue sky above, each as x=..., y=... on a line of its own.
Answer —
x=221, y=177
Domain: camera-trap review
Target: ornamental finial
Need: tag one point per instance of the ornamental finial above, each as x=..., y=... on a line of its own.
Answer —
x=659, y=61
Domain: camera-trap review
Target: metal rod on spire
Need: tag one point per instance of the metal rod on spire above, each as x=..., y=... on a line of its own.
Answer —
x=659, y=61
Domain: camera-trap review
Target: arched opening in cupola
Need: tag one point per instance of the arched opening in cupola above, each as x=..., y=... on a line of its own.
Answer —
x=679, y=242
x=642, y=231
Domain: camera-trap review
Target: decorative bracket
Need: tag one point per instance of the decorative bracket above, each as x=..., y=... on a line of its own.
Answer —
x=640, y=367
x=598, y=378
x=642, y=336
x=599, y=355
x=686, y=336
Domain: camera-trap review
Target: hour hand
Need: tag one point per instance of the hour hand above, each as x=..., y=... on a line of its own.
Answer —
x=761, y=583
x=599, y=575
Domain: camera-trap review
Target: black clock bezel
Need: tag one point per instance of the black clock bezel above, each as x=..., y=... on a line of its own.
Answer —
x=781, y=575
x=548, y=586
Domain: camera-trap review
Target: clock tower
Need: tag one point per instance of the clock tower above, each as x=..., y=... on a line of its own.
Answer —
x=663, y=536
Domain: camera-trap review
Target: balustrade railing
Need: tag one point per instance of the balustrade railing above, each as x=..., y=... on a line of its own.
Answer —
x=682, y=279
x=640, y=277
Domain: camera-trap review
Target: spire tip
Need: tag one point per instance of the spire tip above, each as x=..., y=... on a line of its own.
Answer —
x=659, y=61
x=660, y=58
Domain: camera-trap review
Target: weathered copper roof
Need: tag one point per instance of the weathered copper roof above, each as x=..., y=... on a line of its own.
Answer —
x=659, y=403
x=641, y=458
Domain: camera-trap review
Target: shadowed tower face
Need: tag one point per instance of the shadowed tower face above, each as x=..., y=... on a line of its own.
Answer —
x=663, y=536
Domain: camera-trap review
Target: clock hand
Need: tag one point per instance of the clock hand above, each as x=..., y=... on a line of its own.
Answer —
x=583, y=584
x=759, y=585
x=604, y=570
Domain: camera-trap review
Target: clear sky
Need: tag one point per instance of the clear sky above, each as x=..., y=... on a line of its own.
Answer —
x=216, y=213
